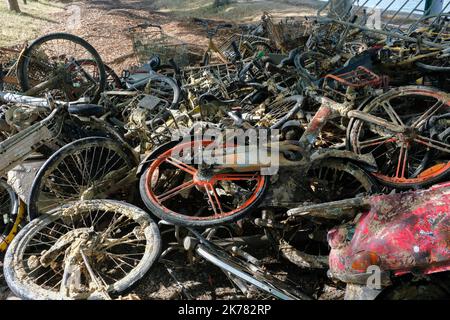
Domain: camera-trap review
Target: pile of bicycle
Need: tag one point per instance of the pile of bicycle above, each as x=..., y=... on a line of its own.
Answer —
x=356, y=121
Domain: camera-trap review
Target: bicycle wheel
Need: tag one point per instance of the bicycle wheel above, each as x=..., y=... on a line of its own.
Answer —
x=165, y=89
x=57, y=55
x=86, y=169
x=303, y=242
x=13, y=213
x=419, y=156
x=80, y=249
x=188, y=195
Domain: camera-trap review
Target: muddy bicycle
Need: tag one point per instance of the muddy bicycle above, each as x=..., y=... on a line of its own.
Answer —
x=84, y=250
x=63, y=123
x=64, y=64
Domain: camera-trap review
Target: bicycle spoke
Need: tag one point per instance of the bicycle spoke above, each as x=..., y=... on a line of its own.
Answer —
x=402, y=161
x=375, y=142
x=214, y=199
x=175, y=191
x=428, y=114
x=434, y=144
x=391, y=113
x=181, y=165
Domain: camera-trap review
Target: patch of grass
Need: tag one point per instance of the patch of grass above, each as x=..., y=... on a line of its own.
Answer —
x=19, y=27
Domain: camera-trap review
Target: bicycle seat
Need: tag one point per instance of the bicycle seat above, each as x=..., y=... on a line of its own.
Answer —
x=86, y=110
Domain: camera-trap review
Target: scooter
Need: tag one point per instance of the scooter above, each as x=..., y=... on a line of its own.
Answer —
x=397, y=246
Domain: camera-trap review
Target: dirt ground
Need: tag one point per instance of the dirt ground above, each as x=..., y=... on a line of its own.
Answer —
x=104, y=24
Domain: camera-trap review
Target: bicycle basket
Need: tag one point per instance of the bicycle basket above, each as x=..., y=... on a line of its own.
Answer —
x=150, y=40
x=212, y=78
x=287, y=34
x=240, y=39
x=358, y=79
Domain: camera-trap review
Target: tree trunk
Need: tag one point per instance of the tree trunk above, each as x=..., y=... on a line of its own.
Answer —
x=13, y=5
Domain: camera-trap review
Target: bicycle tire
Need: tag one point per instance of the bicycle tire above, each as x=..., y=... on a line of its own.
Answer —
x=50, y=167
x=174, y=102
x=317, y=57
x=24, y=60
x=432, y=69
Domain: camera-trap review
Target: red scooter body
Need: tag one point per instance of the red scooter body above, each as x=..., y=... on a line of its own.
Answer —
x=401, y=233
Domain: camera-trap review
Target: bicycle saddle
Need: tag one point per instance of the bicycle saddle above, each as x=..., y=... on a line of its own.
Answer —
x=86, y=110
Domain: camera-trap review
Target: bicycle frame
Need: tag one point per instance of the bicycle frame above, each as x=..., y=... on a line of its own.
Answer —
x=245, y=270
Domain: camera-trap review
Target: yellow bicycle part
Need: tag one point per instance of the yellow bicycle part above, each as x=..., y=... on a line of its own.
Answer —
x=6, y=240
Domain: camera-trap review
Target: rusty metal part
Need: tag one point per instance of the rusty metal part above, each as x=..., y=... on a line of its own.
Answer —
x=338, y=210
